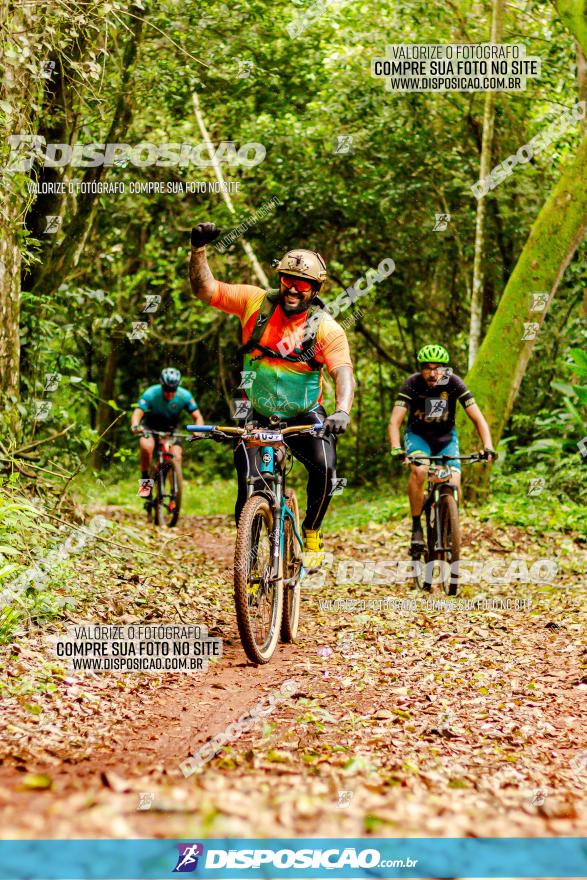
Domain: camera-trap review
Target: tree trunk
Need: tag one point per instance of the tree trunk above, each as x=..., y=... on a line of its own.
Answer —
x=581, y=80
x=476, y=321
x=105, y=412
x=10, y=262
x=499, y=369
x=573, y=14
x=497, y=373
x=15, y=91
x=65, y=256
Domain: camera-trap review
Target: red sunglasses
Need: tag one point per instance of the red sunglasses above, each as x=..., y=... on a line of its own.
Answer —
x=299, y=284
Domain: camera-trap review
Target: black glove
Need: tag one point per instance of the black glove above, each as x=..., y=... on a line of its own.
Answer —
x=489, y=454
x=337, y=423
x=137, y=429
x=397, y=453
x=204, y=233
x=218, y=436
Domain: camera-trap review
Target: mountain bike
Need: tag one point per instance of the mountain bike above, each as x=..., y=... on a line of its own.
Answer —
x=164, y=505
x=268, y=550
x=443, y=536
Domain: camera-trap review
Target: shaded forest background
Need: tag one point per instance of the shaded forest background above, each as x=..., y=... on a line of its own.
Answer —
x=123, y=73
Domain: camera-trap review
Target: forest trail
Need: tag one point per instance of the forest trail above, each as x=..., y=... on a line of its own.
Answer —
x=418, y=723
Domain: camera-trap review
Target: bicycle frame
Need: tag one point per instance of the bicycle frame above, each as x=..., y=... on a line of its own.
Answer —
x=272, y=469
x=438, y=487
x=164, y=453
x=273, y=459
x=164, y=442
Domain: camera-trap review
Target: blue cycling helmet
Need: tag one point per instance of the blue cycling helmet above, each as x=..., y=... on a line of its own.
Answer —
x=170, y=378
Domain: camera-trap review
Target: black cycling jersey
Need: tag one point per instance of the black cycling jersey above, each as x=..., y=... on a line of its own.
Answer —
x=432, y=411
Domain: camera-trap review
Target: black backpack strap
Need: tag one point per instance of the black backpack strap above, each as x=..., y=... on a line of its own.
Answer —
x=308, y=348
x=264, y=314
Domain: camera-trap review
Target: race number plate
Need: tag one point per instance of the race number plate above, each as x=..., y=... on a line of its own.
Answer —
x=270, y=436
x=264, y=438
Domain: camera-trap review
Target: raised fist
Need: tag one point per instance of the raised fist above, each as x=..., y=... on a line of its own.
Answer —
x=204, y=233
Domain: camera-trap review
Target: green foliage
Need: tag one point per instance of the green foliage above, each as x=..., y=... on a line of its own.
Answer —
x=25, y=536
x=413, y=155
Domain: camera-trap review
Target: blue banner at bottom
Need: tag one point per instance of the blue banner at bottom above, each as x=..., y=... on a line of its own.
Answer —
x=294, y=858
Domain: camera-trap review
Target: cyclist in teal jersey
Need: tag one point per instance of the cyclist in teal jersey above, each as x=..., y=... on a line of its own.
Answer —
x=159, y=409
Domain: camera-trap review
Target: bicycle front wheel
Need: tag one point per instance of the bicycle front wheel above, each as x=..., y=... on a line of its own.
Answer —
x=420, y=560
x=168, y=500
x=258, y=593
x=292, y=567
x=451, y=544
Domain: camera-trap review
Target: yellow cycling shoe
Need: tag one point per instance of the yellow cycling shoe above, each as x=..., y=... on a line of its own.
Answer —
x=313, y=555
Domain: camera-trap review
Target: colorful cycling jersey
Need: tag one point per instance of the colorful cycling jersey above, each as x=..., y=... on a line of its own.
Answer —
x=272, y=384
x=162, y=414
x=432, y=410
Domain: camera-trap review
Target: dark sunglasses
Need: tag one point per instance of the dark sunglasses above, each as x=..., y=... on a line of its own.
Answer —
x=298, y=284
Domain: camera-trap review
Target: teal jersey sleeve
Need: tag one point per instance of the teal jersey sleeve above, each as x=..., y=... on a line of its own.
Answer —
x=146, y=399
x=187, y=400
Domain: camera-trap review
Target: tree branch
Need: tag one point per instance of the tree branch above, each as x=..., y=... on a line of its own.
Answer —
x=402, y=365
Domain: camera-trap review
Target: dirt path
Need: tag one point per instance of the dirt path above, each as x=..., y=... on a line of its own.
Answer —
x=424, y=722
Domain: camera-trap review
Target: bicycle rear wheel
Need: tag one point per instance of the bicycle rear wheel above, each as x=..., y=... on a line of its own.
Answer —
x=292, y=566
x=168, y=498
x=451, y=543
x=258, y=595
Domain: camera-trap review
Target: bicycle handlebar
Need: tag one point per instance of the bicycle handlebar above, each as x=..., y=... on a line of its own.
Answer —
x=208, y=429
x=443, y=459
x=234, y=431
x=146, y=431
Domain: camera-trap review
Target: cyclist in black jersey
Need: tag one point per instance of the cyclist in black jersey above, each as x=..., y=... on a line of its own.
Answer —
x=430, y=398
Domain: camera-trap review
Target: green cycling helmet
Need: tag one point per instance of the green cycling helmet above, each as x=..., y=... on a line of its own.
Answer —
x=433, y=354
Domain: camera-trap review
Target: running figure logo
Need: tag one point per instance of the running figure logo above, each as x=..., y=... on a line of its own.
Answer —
x=539, y=302
x=241, y=409
x=435, y=408
x=53, y=222
x=187, y=860
x=344, y=143
x=139, y=331
x=531, y=330
x=441, y=222
x=152, y=303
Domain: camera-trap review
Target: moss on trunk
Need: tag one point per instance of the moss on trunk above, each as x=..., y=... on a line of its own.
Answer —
x=497, y=373
x=573, y=13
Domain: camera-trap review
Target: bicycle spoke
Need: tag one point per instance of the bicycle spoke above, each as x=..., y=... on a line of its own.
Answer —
x=259, y=585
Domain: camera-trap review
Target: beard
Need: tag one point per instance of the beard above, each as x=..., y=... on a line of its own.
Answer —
x=302, y=306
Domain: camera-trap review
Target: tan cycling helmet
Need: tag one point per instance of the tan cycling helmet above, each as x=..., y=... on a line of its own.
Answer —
x=303, y=264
